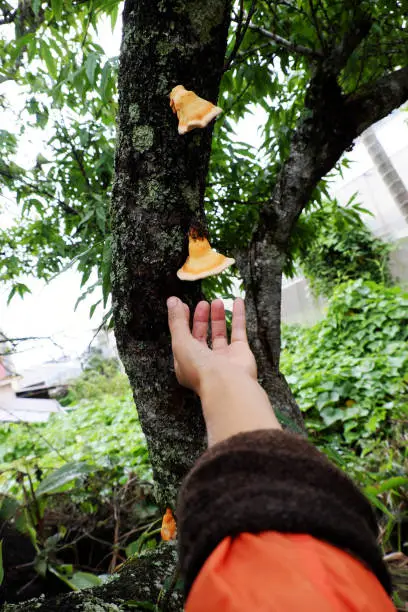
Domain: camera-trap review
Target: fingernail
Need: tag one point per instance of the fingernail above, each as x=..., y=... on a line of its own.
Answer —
x=172, y=302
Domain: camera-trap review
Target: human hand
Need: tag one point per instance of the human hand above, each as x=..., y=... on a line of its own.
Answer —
x=193, y=359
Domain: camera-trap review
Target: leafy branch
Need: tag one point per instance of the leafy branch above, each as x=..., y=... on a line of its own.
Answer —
x=287, y=44
x=39, y=188
x=243, y=22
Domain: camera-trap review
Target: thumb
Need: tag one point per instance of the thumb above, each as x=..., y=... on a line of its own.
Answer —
x=178, y=322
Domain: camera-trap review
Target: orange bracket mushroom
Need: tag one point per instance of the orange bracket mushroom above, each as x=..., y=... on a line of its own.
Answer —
x=168, y=529
x=202, y=260
x=192, y=111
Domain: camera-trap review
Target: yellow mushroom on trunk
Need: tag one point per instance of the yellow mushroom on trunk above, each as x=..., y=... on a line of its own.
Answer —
x=192, y=111
x=202, y=260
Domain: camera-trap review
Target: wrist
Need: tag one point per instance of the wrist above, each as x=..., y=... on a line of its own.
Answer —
x=233, y=402
x=214, y=379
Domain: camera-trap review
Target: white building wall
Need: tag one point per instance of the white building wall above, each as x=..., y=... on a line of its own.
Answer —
x=298, y=304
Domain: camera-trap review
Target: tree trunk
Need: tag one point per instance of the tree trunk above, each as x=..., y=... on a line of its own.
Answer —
x=261, y=268
x=149, y=578
x=158, y=191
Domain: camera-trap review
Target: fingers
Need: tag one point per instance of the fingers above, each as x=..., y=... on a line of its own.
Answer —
x=179, y=322
x=200, y=322
x=187, y=313
x=218, y=325
x=178, y=319
x=238, y=331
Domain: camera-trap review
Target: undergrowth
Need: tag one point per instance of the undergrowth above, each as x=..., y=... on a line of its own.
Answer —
x=85, y=477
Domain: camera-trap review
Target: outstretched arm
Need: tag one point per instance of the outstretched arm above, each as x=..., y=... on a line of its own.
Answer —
x=265, y=520
x=225, y=376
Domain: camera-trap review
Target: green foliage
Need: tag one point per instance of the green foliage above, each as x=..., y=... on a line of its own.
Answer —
x=89, y=468
x=104, y=434
x=64, y=475
x=349, y=374
x=68, y=88
x=350, y=371
x=100, y=378
x=340, y=247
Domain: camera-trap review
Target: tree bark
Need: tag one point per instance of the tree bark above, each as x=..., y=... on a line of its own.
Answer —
x=331, y=123
x=158, y=192
x=261, y=268
x=142, y=580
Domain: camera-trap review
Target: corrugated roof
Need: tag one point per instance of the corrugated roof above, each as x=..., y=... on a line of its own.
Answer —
x=15, y=409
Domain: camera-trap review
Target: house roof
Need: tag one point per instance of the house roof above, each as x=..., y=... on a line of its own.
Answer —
x=16, y=409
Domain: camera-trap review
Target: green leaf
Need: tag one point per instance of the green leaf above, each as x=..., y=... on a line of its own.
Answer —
x=36, y=5
x=90, y=67
x=41, y=565
x=48, y=58
x=62, y=476
x=20, y=43
x=380, y=505
x=92, y=308
x=84, y=580
x=106, y=71
x=21, y=521
x=114, y=16
x=390, y=484
x=56, y=6
x=133, y=547
x=9, y=507
x=19, y=288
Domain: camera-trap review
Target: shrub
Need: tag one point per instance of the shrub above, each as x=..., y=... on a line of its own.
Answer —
x=342, y=248
x=349, y=374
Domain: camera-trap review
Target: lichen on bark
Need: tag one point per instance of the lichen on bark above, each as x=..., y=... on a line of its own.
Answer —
x=158, y=191
x=142, y=579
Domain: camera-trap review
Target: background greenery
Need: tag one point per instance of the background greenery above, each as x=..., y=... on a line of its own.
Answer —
x=74, y=476
x=349, y=373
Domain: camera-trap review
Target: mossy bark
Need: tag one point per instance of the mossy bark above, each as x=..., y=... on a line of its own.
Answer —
x=147, y=579
x=158, y=192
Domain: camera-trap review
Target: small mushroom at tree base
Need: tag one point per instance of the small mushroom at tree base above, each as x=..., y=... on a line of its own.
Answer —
x=192, y=111
x=168, y=529
x=202, y=260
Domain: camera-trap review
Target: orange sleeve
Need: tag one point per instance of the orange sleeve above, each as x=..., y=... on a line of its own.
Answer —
x=275, y=572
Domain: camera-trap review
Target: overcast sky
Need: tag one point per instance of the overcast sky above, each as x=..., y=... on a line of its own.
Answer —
x=49, y=309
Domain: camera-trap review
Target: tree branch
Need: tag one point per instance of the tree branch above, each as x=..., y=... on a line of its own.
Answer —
x=76, y=156
x=25, y=339
x=40, y=190
x=330, y=122
x=326, y=130
x=287, y=44
x=243, y=55
x=141, y=580
x=316, y=23
x=241, y=31
x=376, y=100
x=338, y=58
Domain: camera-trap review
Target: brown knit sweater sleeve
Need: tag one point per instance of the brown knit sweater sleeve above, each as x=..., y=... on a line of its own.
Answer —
x=272, y=480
